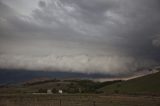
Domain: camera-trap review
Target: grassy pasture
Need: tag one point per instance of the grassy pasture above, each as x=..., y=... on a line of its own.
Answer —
x=149, y=84
x=78, y=100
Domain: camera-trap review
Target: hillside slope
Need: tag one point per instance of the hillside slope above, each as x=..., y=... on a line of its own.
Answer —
x=149, y=84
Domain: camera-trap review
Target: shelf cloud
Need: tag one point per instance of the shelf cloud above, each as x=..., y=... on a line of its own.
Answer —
x=89, y=36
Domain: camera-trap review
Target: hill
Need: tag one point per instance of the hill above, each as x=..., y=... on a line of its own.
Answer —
x=149, y=84
x=67, y=85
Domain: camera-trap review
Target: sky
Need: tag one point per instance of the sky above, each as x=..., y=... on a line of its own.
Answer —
x=115, y=37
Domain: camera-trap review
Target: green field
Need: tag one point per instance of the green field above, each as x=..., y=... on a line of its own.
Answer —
x=149, y=84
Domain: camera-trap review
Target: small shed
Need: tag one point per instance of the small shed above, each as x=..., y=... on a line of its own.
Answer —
x=49, y=91
x=60, y=91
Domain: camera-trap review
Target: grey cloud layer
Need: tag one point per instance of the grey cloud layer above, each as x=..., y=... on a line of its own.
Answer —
x=113, y=34
x=112, y=65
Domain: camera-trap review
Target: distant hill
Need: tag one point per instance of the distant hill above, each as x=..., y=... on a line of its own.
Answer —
x=41, y=81
x=41, y=85
x=149, y=84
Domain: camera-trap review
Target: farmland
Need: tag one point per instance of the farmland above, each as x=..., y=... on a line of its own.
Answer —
x=143, y=91
x=78, y=100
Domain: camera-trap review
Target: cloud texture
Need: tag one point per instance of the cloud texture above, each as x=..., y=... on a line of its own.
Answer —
x=89, y=36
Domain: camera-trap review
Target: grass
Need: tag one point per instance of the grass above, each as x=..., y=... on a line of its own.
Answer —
x=118, y=93
x=78, y=100
x=149, y=84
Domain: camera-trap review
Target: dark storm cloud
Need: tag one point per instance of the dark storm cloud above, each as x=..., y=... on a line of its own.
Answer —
x=92, y=11
x=106, y=36
x=42, y=4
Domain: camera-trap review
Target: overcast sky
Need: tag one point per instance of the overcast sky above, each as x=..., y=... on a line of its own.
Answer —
x=89, y=36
